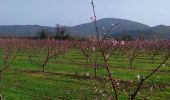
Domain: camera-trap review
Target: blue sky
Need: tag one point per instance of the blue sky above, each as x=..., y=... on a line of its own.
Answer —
x=74, y=12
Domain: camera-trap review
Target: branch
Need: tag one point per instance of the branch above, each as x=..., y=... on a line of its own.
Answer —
x=149, y=75
x=103, y=54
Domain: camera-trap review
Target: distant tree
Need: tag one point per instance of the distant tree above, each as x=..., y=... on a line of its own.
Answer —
x=42, y=34
x=57, y=30
x=61, y=33
x=126, y=38
x=141, y=37
x=84, y=39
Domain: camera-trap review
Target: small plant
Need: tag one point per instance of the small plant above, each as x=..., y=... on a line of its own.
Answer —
x=132, y=53
x=7, y=57
x=46, y=50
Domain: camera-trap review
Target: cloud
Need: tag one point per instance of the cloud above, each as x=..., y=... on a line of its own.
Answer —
x=162, y=12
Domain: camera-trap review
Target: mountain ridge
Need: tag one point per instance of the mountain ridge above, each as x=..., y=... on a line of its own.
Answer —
x=124, y=27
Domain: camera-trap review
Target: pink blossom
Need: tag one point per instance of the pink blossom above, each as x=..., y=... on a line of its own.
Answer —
x=114, y=42
x=122, y=42
x=93, y=48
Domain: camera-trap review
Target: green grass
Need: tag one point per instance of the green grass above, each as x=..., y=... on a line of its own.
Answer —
x=18, y=84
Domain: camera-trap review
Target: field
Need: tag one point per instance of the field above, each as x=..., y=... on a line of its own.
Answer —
x=69, y=76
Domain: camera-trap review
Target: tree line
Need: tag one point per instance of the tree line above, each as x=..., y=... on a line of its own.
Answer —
x=61, y=33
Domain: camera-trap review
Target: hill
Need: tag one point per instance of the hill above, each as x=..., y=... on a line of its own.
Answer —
x=157, y=32
x=124, y=27
x=86, y=29
x=104, y=24
x=22, y=30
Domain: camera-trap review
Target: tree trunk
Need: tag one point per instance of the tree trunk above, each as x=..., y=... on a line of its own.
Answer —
x=0, y=76
x=43, y=68
x=1, y=84
x=1, y=97
x=95, y=72
x=152, y=60
x=131, y=63
x=115, y=57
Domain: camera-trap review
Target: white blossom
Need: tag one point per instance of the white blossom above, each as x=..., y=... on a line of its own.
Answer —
x=114, y=42
x=87, y=74
x=93, y=48
x=92, y=18
x=107, y=56
x=122, y=42
x=100, y=91
x=163, y=65
x=151, y=88
x=131, y=81
x=138, y=76
x=95, y=89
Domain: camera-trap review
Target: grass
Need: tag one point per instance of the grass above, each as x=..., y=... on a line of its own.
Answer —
x=24, y=81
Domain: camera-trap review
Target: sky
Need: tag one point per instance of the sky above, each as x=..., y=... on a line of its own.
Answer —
x=74, y=12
